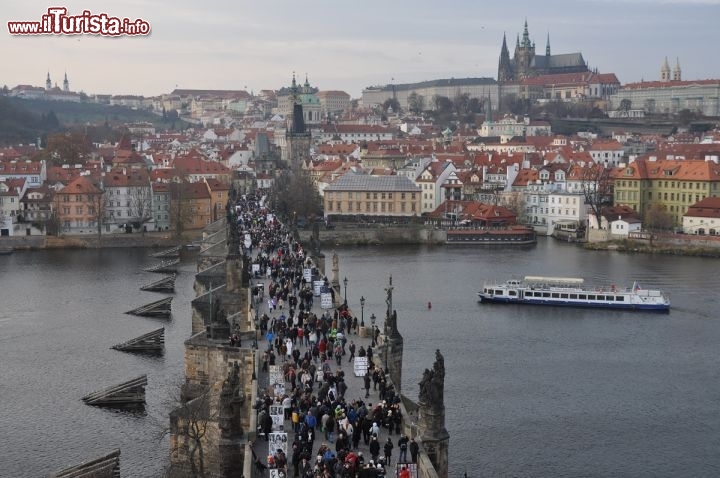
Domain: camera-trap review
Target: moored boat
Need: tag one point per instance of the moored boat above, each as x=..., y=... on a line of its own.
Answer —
x=570, y=292
x=518, y=235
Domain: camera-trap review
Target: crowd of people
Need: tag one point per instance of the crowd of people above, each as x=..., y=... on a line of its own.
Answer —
x=333, y=435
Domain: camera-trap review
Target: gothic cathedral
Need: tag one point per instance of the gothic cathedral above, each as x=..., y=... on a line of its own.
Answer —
x=526, y=64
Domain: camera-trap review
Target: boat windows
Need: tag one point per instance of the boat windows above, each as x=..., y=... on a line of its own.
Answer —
x=620, y=298
x=512, y=293
x=546, y=294
x=563, y=296
x=573, y=296
x=591, y=297
x=498, y=292
x=555, y=295
x=582, y=297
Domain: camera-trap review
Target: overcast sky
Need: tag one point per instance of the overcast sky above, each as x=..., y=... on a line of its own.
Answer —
x=349, y=45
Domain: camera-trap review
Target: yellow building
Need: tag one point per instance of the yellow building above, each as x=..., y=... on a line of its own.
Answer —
x=356, y=194
x=674, y=184
x=190, y=206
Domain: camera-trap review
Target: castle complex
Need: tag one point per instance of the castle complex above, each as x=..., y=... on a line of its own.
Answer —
x=525, y=63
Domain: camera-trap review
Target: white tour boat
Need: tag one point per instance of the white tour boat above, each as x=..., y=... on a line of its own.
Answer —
x=570, y=292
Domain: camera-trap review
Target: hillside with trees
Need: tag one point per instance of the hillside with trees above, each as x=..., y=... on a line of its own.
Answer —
x=20, y=125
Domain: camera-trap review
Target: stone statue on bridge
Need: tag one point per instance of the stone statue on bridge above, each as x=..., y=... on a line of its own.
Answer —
x=432, y=385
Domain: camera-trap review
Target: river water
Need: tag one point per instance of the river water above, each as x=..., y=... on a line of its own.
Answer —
x=529, y=392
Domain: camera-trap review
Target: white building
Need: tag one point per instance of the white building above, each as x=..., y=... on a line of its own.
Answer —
x=481, y=88
x=700, y=96
x=430, y=182
x=510, y=126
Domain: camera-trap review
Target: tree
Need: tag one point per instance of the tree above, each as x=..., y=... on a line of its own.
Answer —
x=191, y=419
x=685, y=117
x=391, y=103
x=294, y=194
x=625, y=107
x=416, y=103
x=98, y=210
x=461, y=104
x=657, y=218
x=140, y=197
x=513, y=104
x=69, y=148
x=597, y=188
x=515, y=201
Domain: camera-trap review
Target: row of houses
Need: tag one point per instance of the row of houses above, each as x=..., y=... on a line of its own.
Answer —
x=96, y=199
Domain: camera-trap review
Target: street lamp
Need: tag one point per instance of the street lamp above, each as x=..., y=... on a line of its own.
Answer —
x=345, y=281
x=362, y=311
x=372, y=329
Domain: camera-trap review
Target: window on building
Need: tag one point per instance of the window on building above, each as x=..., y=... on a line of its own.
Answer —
x=338, y=205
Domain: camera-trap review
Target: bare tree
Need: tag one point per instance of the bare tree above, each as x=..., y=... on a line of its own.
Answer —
x=97, y=209
x=191, y=420
x=657, y=218
x=515, y=201
x=140, y=205
x=597, y=188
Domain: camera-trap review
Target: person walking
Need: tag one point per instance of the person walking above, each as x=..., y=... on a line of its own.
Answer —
x=388, y=448
x=374, y=448
x=351, y=348
x=366, y=378
x=414, y=450
x=403, y=446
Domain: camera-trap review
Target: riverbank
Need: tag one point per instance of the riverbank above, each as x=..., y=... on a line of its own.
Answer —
x=645, y=247
x=418, y=234
x=147, y=240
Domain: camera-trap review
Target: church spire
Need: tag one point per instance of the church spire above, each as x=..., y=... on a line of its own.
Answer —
x=66, y=83
x=677, y=73
x=504, y=49
x=665, y=71
x=48, y=83
x=547, y=45
x=526, y=36
x=504, y=67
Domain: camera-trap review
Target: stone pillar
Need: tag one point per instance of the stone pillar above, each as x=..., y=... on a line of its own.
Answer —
x=335, y=278
x=393, y=350
x=431, y=416
x=230, y=412
x=233, y=269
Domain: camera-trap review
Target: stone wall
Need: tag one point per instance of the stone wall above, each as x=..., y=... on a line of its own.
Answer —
x=149, y=240
x=377, y=234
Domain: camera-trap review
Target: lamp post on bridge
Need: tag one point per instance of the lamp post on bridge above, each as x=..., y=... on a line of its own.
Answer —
x=362, y=311
x=345, y=282
x=372, y=329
